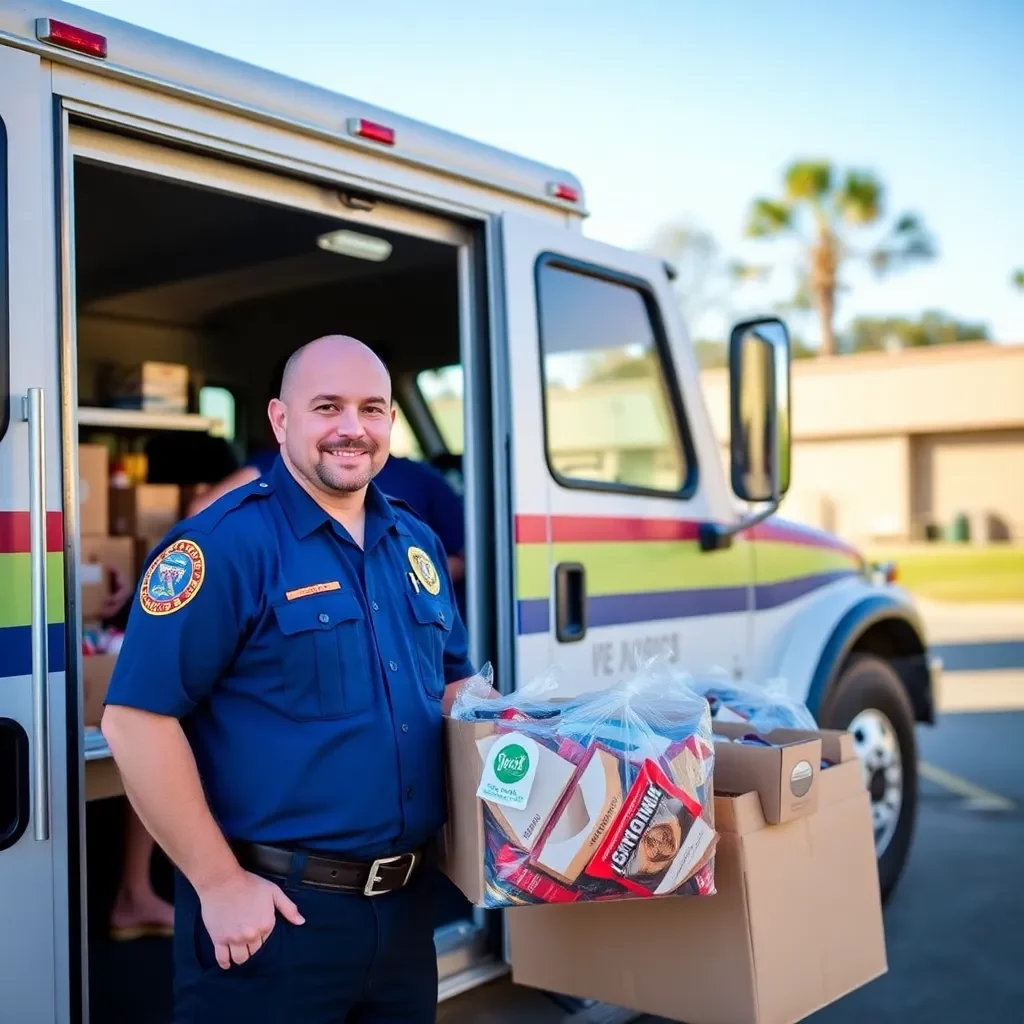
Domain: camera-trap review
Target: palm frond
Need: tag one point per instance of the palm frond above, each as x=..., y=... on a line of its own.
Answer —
x=808, y=180
x=1018, y=279
x=768, y=217
x=907, y=242
x=859, y=200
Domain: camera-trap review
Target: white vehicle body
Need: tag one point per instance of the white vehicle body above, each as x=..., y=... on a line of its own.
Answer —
x=778, y=602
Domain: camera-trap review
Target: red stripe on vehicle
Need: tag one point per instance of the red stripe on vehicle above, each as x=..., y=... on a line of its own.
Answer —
x=16, y=533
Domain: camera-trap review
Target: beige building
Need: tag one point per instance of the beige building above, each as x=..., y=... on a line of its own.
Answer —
x=886, y=445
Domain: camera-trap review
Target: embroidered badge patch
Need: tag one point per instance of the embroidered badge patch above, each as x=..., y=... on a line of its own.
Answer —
x=425, y=571
x=173, y=579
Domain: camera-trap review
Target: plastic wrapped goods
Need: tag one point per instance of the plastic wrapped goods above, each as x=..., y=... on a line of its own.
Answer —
x=763, y=708
x=605, y=795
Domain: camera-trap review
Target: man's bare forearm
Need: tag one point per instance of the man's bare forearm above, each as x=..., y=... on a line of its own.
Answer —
x=162, y=782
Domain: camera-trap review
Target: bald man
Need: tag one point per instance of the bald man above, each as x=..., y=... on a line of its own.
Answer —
x=276, y=715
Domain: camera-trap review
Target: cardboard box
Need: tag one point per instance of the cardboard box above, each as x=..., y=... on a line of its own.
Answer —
x=96, y=672
x=103, y=559
x=93, y=477
x=795, y=925
x=145, y=512
x=784, y=775
x=149, y=386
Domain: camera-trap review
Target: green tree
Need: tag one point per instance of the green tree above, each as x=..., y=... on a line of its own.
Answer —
x=823, y=211
x=1018, y=279
x=872, y=334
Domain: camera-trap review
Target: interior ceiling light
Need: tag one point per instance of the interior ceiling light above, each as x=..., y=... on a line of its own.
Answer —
x=353, y=243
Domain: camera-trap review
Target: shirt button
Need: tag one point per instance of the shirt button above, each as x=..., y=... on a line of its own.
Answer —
x=324, y=618
x=263, y=485
x=393, y=665
x=376, y=607
x=408, y=793
x=405, y=727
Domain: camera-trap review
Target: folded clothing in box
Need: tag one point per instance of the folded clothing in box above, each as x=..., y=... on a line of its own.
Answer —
x=605, y=795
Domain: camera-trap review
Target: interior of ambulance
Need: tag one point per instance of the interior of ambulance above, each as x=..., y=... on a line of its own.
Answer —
x=186, y=300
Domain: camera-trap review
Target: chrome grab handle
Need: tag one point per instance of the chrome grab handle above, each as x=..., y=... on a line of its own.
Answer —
x=33, y=410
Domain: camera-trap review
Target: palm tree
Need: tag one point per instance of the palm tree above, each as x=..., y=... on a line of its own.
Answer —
x=1018, y=279
x=820, y=210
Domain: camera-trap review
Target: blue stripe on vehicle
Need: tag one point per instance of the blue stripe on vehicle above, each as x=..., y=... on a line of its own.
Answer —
x=771, y=595
x=622, y=609
x=16, y=649
x=534, y=616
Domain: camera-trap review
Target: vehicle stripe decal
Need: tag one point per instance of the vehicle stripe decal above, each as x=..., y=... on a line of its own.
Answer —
x=16, y=649
x=622, y=609
x=16, y=589
x=16, y=533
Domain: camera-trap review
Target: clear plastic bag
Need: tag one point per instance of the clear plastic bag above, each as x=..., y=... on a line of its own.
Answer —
x=763, y=708
x=597, y=796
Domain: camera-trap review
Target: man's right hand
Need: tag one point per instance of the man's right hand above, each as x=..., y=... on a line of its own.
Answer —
x=240, y=914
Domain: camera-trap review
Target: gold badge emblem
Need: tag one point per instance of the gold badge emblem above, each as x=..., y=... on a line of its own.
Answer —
x=425, y=571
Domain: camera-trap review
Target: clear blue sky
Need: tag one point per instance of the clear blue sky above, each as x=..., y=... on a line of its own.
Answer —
x=682, y=109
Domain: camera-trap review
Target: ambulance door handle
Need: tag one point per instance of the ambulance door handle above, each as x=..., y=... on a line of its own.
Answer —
x=570, y=602
x=34, y=414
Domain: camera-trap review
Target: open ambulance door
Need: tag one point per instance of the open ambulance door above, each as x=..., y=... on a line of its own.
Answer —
x=37, y=724
x=615, y=466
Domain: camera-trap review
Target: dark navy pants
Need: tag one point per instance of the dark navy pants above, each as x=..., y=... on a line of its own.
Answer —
x=357, y=960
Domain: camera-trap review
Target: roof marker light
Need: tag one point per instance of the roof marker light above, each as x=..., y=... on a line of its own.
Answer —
x=70, y=37
x=559, y=190
x=371, y=130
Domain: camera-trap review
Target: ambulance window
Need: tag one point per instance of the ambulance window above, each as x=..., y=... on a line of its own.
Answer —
x=611, y=412
x=219, y=405
x=442, y=391
x=5, y=352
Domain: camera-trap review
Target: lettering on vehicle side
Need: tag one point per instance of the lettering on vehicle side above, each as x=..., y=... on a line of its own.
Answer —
x=610, y=659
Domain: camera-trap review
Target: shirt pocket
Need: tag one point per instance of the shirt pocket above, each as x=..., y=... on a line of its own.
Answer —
x=324, y=656
x=433, y=622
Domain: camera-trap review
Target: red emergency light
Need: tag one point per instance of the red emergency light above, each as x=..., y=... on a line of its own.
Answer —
x=372, y=131
x=560, y=190
x=70, y=37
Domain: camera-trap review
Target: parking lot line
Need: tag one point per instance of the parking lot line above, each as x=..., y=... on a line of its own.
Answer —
x=978, y=799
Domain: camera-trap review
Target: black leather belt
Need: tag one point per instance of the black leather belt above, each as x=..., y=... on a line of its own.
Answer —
x=324, y=871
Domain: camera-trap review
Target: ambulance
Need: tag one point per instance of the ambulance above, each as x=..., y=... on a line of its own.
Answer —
x=173, y=223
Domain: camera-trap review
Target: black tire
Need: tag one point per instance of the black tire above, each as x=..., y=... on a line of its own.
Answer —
x=868, y=683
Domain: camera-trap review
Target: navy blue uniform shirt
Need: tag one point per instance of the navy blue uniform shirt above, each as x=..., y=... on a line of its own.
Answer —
x=307, y=673
x=418, y=485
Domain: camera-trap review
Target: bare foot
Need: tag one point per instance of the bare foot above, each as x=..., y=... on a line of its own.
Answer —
x=141, y=913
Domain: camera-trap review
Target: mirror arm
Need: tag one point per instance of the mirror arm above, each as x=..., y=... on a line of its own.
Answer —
x=718, y=536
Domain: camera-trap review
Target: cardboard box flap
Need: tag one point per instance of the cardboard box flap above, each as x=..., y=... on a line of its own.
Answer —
x=739, y=815
x=836, y=744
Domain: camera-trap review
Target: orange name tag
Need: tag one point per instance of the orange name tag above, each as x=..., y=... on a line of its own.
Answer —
x=317, y=588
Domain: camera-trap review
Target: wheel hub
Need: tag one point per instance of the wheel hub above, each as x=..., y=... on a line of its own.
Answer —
x=878, y=749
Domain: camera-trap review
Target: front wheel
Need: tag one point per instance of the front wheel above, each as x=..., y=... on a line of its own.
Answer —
x=869, y=700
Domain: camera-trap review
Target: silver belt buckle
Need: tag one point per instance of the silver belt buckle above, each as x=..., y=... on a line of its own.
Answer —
x=369, y=890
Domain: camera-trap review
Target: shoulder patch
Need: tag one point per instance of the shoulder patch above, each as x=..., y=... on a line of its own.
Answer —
x=173, y=578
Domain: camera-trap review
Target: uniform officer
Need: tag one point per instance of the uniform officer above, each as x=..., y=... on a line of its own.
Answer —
x=276, y=715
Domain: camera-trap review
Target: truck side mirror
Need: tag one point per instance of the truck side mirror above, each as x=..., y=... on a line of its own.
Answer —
x=760, y=441
x=759, y=412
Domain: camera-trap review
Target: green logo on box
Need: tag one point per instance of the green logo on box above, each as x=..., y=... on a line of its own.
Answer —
x=511, y=764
